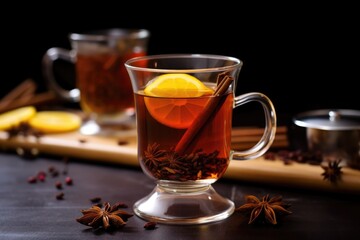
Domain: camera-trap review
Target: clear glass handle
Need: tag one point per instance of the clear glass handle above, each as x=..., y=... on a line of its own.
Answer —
x=48, y=60
x=270, y=126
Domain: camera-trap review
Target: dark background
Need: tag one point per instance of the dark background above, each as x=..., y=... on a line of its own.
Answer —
x=303, y=57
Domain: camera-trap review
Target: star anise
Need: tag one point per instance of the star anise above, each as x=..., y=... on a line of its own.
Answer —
x=332, y=172
x=23, y=129
x=265, y=210
x=153, y=155
x=106, y=217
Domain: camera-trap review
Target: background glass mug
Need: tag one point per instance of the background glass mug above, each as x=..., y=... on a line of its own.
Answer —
x=102, y=83
x=184, y=133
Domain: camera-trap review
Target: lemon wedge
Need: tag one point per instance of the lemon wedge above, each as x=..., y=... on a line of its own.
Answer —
x=14, y=117
x=55, y=121
x=177, y=85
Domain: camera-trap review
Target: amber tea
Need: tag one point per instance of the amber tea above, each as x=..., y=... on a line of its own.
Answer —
x=161, y=125
x=104, y=83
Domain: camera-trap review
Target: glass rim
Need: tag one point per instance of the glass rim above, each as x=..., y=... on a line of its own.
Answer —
x=236, y=63
x=110, y=33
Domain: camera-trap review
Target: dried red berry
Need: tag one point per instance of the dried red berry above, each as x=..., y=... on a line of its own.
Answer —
x=41, y=177
x=58, y=185
x=60, y=196
x=95, y=199
x=150, y=225
x=68, y=181
x=32, y=179
x=51, y=169
x=55, y=173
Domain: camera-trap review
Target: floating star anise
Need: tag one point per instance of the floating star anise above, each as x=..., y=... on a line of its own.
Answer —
x=332, y=172
x=170, y=165
x=153, y=155
x=265, y=210
x=106, y=217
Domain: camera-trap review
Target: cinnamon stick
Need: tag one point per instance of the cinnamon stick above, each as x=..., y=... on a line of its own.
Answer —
x=255, y=131
x=254, y=139
x=37, y=99
x=26, y=88
x=246, y=145
x=223, y=84
x=245, y=137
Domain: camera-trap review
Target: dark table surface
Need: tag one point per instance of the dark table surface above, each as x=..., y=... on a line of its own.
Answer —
x=31, y=211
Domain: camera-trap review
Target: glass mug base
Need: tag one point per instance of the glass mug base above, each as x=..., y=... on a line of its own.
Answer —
x=183, y=204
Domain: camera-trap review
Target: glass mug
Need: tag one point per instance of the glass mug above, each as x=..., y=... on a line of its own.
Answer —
x=184, y=136
x=102, y=85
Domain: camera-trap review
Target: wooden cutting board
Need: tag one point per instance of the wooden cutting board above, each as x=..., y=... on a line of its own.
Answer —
x=122, y=149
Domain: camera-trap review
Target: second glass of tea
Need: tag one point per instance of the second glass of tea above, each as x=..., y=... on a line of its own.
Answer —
x=102, y=84
x=184, y=106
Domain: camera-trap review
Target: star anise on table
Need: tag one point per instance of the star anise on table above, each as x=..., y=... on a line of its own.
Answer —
x=265, y=211
x=332, y=171
x=106, y=217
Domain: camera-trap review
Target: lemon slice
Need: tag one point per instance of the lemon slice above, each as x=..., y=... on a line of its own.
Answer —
x=55, y=121
x=177, y=100
x=177, y=85
x=15, y=117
